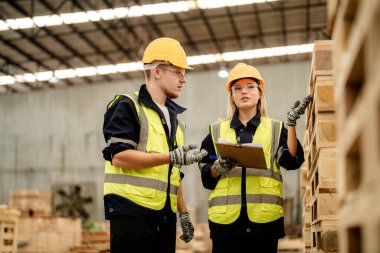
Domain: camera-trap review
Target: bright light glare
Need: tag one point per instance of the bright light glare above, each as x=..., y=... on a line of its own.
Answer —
x=4, y=80
x=223, y=73
x=138, y=66
x=211, y=4
x=121, y=12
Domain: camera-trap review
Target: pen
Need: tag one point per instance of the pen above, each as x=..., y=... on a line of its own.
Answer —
x=213, y=157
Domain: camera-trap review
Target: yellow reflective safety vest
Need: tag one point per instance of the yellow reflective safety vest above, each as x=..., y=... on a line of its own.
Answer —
x=146, y=187
x=264, y=193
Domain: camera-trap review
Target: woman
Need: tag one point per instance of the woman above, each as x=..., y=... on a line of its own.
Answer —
x=245, y=204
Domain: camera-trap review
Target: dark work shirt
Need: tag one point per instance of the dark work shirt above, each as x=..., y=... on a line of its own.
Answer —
x=244, y=134
x=121, y=121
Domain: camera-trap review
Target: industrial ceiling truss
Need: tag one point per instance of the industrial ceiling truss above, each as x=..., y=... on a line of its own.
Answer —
x=79, y=39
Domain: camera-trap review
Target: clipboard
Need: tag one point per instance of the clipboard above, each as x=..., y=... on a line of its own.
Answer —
x=249, y=156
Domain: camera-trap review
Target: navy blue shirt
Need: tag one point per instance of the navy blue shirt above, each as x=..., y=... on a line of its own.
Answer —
x=243, y=226
x=121, y=121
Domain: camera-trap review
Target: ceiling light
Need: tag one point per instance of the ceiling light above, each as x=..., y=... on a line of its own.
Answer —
x=65, y=73
x=44, y=76
x=53, y=79
x=3, y=26
x=4, y=80
x=211, y=4
x=121, y=12
x=137, y=66
x=223, y=73
x=50, y=20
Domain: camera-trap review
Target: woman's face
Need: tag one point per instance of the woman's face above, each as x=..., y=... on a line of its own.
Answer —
x=246, y=96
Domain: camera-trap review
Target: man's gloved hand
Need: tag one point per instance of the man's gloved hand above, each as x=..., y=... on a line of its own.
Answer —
x=187, y=227
x=186, y=155
x=222, y=166
x=296, y=111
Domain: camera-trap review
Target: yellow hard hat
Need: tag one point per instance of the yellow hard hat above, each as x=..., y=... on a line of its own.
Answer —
x=242, y=70
x=167, y=50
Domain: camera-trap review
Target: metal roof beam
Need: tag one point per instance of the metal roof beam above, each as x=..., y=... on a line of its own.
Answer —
x=70, y=48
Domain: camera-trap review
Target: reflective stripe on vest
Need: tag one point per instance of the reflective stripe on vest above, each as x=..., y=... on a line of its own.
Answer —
x=251, y=198
x=146, y=187
x=263, y=187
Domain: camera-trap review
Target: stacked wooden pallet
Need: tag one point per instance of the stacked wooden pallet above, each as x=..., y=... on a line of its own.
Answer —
x=93, y=241
x=318, y=174
x=48, y=234
x=8, y=229
x=38, y=231
x=357, y=40
x=31, y=203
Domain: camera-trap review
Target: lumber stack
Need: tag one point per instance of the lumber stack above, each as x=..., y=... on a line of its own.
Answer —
x=318, y=174
x=48, y=234
x=8, y=229
x=93, y=241
x=31, y=203
x=357, y=39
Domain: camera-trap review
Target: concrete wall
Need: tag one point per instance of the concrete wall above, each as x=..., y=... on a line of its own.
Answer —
x=55, y=136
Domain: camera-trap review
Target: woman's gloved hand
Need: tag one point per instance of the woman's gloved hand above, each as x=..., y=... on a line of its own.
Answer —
x=296, y=111
x=222, y=166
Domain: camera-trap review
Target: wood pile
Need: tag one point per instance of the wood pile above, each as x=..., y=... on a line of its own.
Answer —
x=31, y=203
x=318, y=174
x=93, y=241
x=8, y=229
x=48, y=234
x=290, y=245
x=357, y=39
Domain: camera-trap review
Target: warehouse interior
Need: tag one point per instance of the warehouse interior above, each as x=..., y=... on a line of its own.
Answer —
x=63, y=61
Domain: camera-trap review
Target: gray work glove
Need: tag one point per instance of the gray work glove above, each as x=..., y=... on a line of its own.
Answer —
x=187, y=227
x=222, y=166
x=296, y=111
x=186, y=155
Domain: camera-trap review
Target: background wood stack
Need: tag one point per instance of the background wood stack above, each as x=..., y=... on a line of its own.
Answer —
x=357, y=39
x=38, y=231
x=48, y=234
x=93, y=241
x=31, y=203
x=318, y=174
x=8, y=229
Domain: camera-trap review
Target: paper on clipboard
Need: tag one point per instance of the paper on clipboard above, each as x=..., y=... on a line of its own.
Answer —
x=248, y=155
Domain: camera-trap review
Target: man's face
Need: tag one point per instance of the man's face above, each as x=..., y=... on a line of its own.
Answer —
x=173, y=79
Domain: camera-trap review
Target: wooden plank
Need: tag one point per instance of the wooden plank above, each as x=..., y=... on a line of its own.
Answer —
x=306, y=216
x=325, y=235
x=332, y=9
x=321, y=62
x=304, y=181
x=324, y=207
x=323, y=176
x=285, y=245
x=323, y=135
x=324, y=96
x=306, y=235
x=327, y=83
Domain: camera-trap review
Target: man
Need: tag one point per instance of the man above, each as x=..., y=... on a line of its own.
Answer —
x=144, y=152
